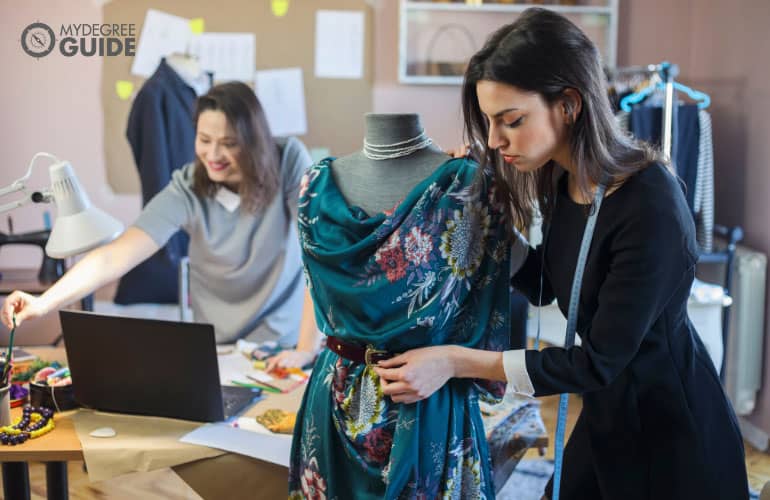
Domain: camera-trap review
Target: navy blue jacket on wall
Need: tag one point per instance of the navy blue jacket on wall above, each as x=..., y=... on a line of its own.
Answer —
x=162, y=137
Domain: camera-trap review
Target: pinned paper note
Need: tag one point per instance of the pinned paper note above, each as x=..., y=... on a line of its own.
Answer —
x=230, y=56
x=280, y=7
x=124, y=89
x=339, y=44
x=282, y=95
x=197, y=25
x=162, y=34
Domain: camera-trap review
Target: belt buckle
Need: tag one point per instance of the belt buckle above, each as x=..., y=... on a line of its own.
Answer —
x=370, y=351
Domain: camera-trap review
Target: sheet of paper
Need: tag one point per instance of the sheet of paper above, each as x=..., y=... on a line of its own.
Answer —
x=274, y=448
x=339, y=44
x=282, y=95
x=162, y=34
x=230, y=56
x=234, y=366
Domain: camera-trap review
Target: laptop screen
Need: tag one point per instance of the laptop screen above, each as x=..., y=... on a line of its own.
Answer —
x=143, y=366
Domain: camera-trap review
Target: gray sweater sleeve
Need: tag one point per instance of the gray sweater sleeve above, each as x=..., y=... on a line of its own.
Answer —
x=170, y=209
x=294, y=161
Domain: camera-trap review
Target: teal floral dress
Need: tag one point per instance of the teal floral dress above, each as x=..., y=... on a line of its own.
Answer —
x=434, y=270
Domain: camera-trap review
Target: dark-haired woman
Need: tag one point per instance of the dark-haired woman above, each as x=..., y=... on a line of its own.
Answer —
x=238, y=203
x=655, y=421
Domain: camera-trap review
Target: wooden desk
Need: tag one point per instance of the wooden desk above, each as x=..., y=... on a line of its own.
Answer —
x=55, y=449
x=210, y=478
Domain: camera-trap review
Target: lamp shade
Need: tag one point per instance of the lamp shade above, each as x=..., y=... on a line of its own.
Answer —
x=79, y=226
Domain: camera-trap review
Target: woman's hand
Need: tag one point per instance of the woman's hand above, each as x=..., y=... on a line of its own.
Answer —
x=416, y=374
x=458, y=152
x=290, y=358
x=25, y=306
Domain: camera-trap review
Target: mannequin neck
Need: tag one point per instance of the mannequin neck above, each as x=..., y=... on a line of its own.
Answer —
x=391, y=128
x=377, y=185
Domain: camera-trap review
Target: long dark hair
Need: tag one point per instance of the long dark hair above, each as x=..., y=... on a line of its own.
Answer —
x=544, y=52
x=258, y=159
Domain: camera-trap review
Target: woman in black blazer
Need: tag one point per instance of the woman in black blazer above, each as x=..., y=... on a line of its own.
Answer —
x=655, y=422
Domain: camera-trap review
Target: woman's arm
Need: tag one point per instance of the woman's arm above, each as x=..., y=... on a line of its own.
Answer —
x=416, y=374
x=96, y=269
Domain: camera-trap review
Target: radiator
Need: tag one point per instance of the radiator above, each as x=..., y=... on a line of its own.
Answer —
x=745, y=349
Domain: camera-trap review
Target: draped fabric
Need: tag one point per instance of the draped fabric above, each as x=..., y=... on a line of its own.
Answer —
x=434, y=270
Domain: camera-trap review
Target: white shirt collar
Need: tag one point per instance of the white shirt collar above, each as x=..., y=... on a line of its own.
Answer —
x=231, y=201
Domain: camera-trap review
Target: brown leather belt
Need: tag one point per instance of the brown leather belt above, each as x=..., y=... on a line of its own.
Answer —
x=357, y=353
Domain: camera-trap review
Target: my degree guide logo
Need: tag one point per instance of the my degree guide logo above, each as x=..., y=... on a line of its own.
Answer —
x=88, y=40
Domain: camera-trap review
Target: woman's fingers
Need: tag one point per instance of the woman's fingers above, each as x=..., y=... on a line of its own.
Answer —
x=458, y=152
x=393, y=362
x=272, y=361
x=14, y=303
x=406, y=398
x=393, y=388
x=388, y=374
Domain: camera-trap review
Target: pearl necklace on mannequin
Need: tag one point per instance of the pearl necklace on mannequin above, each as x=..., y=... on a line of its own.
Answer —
x=397, y=149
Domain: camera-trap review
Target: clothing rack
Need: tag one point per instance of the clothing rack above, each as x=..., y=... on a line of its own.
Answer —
x=667, y=72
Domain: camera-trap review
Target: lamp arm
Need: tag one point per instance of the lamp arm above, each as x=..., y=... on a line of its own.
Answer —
x=14, y=187
x=26, y=177
x=15, y=204
x=20, y=185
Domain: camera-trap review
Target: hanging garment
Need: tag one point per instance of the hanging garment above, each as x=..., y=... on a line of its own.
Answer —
x=162, y=137
x=703, y=202
x=646, y=124
x=692, y=156
x=432, y=271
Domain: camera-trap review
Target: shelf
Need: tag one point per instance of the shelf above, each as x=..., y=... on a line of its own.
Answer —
x=503, y=7
x=436, y=39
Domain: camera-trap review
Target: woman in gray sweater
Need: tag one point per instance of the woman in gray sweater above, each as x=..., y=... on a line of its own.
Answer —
x=238, y=203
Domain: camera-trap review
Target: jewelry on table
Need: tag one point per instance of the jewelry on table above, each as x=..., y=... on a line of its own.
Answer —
x=33, y=423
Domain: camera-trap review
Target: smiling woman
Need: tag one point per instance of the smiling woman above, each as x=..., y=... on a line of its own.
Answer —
x=238, y=203
x=233, y=146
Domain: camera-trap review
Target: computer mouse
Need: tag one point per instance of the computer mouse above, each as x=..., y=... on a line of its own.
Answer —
x=103, y=432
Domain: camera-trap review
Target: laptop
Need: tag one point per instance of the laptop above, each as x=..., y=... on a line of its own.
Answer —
x=148, y=367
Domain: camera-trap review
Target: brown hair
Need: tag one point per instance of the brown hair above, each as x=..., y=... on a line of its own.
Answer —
x=544, y=52
x=258, y=159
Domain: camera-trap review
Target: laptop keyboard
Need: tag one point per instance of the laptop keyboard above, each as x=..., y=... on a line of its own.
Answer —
x=235, y=399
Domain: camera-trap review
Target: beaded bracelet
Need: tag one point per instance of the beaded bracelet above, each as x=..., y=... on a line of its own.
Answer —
x=33, y=423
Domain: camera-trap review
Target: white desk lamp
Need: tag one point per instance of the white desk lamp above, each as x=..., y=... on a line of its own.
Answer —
x=79, y=226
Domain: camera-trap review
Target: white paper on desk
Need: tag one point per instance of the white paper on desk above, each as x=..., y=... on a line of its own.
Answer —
x=162, y=34
x=282, y=95
x=339, y=44
x=274, y=448
x=234, y=366
x=230, y=56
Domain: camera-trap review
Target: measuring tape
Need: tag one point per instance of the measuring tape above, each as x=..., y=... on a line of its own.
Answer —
x=569, y=340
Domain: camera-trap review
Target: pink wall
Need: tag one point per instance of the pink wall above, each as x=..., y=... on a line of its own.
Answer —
x=51, y=104
x=438, y=105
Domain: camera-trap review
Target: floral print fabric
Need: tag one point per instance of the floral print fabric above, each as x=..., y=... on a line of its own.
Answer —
x=432, y=271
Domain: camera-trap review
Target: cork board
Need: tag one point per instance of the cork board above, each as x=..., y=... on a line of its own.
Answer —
x=334, y=107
